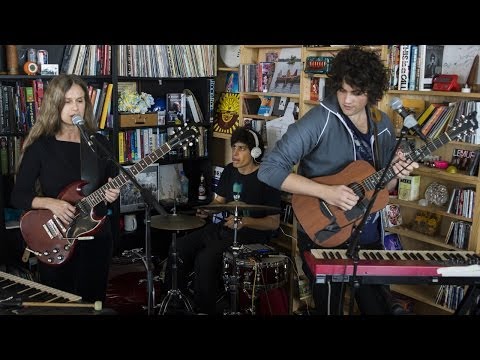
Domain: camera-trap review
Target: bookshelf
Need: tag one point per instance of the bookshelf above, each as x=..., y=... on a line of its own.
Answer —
x=412, y=239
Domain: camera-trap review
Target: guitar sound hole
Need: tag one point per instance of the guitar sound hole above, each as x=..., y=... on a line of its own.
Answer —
x=358, y=189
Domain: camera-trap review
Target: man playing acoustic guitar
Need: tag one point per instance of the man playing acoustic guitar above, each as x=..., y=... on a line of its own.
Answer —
x=344, y=128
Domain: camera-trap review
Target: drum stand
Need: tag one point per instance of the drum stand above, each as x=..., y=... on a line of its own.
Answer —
x=233, y=280
x=174, y=295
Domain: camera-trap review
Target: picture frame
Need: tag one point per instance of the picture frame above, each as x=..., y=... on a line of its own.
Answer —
x=130, y=197
x=49, y=69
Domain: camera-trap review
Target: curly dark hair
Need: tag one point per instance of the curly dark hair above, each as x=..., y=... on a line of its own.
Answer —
x=361, y=69
x=245, y=136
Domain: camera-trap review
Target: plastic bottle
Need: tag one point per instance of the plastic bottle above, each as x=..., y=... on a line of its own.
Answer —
x=202, y=190
x=183, y=187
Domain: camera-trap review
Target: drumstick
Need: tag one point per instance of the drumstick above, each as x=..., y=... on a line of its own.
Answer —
x=97, y=305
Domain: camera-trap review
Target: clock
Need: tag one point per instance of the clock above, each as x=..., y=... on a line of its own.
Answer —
x=445, y=82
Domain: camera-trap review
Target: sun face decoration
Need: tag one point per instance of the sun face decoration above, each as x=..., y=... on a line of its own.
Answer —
x=226, y=119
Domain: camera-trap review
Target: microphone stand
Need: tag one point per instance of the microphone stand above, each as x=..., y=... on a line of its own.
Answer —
x=353, y=247
x=150, y=202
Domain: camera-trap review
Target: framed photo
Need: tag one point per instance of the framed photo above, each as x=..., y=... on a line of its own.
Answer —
x=49, y=69
x=130, y=197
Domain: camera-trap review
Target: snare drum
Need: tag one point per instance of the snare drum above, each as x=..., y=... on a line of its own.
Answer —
x=261, y=273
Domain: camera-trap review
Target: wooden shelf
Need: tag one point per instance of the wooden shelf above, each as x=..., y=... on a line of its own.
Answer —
x=221, y=135
x=292, y=96
x=443, y=175
x=227, y=69
x=260, y=117
x=436, y=93
x=433, y=240
x=430, y=208
x=424, y=293
x=270, y=46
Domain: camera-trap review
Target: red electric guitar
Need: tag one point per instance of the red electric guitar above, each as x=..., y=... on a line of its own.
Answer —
x=328, y=225
x=53, y=242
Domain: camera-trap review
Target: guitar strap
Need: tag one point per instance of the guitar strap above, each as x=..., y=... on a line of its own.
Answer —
x=376, y=116
x=89, y=167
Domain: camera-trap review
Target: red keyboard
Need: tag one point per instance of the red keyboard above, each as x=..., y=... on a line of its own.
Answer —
x=392, y=263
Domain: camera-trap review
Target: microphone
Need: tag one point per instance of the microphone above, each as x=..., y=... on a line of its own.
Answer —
x=409, y=121
x=80, y=123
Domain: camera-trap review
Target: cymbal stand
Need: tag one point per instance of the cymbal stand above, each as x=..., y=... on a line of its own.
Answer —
x=174, y=294
x=233, y=281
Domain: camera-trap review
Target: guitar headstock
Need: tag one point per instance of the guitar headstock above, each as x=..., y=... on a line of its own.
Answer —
x=184, y=136
x=463, y=125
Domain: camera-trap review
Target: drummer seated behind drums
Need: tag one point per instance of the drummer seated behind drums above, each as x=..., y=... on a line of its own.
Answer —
x=202, y=250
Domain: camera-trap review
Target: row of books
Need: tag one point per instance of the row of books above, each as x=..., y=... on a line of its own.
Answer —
x=450, y=296
x=167, y=60
x=88, y=60
x=19, y=106
x=101, y=99
x=437, y=118
x=10, y=147
x=413, y=67
x=458, y=234
x=256, y=77
x=135, y=144
x=462, y=202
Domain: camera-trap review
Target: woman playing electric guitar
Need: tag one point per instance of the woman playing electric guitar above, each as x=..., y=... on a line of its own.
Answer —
x=51, y=160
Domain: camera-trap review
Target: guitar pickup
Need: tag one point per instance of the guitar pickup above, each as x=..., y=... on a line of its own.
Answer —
x=51, y=229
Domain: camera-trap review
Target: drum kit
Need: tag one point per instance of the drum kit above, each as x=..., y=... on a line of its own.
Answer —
x=270, y=273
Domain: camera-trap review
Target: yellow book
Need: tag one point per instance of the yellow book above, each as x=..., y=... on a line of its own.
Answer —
x=106, y=106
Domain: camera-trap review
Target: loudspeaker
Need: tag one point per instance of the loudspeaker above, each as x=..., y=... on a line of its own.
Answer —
x=256, y=151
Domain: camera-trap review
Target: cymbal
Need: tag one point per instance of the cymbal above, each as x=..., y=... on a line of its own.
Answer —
x=232, y=205
x=176, y=222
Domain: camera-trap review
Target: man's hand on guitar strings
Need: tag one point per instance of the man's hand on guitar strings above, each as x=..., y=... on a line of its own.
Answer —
x=403, y=167
x=340, y=195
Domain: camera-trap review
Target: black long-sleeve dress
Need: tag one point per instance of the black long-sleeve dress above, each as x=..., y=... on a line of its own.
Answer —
x=56, y=164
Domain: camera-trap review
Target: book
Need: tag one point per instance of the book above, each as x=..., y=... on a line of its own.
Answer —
x=266, y=105
x=404, y=67
x=314, y=89
x=231, y=82
x=432, y=56
x=176, y=108
x=392, y=241
x=392, y=216
x=409, y=188
x=265, y=73
x=288, y=68
x=462, y=158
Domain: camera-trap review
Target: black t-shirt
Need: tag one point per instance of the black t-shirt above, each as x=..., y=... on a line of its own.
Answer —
x=247, y=188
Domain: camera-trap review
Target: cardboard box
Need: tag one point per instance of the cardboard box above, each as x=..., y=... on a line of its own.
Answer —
x=136, y=120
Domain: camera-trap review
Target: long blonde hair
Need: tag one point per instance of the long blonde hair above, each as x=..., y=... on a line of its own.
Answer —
x=49, y=120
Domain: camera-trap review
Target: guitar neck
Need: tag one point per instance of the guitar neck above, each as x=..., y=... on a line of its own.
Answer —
x=371, y=182
x=98, y=195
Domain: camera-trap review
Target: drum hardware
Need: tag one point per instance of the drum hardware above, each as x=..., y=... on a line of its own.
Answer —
x=234, y=206
x=233, y=279
x=176, y=223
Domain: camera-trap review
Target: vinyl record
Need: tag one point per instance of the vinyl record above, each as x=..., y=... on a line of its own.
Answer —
x=230, y=55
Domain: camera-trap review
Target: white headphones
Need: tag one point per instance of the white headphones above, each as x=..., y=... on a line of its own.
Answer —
x=256, y=151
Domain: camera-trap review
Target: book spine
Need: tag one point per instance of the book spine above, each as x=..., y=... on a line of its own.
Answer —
x=404, y=71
